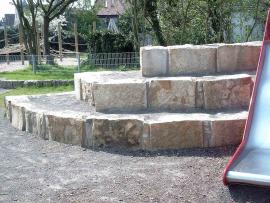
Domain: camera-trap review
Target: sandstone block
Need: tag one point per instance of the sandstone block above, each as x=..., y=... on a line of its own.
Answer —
x=36, y=123
x=176, y=135
x=238, y=57
x=227, y=132
x=65, y=130
x=154, y=61
x=87, y=92
x=87, y=138
x=192, y=59
x=172, y=94
x=117, y=132
x=18, y=117
x=8, y=107
x=120, y=96
x=227, y=92
x=77, y=86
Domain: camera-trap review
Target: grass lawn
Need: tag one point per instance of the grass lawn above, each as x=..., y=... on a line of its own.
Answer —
x=53, y=73
x=46, y=74
x=33, y=91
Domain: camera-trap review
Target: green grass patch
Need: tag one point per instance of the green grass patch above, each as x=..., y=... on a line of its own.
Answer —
x=34, y=91
x=47, y=72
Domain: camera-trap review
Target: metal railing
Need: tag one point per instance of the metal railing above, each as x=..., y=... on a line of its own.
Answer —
x=112, y=60
x=71, y=61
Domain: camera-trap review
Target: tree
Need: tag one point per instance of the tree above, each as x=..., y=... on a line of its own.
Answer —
x=27, y=13
x=151, y=14
x=52, y=9
x=134, y=11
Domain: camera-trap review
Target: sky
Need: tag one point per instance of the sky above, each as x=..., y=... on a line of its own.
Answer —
x=6, y=8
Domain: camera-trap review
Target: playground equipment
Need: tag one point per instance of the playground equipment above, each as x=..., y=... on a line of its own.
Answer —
x=251, y=162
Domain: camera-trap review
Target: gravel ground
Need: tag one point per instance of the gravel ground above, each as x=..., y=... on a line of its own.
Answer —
x=34, y=170
x=2, y=91
x=13, y=66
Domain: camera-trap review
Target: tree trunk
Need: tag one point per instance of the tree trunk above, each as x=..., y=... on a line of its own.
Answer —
x=46, y=35
x=151, y=12
x=135, y=26
x=158, y=32
x=46, y=24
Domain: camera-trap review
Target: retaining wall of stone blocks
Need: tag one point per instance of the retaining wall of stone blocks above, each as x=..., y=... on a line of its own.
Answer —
x=199, y=59
x=13, y=84
x=135, y=93
x=149, y=131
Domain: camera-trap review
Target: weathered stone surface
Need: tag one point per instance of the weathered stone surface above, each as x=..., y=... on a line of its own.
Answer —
x=192, y=59
x=36, y=123
x=12, y=84
x=176, y=135
x=78, y=86
x=51, y=118
x=154, y=61
x=199, y=98
x=172, y=94
x=18, y=117
x=30, y=121
x=65, y=129
x=87, y=138
x=238, y=57
x=120, y=96
x=87, y=92
x=227, y=132
x=227, y=92
x=119, y=132
x=8, y=109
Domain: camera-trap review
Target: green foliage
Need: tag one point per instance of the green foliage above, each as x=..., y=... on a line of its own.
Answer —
x=109, y=42
x=195, y=21
x=85, y=20
x=210, y=21
x=125, y=25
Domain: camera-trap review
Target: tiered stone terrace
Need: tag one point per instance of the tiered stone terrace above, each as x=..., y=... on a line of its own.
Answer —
x=183, y=97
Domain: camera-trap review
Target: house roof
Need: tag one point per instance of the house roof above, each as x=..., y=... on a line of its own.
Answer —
x=111, y=7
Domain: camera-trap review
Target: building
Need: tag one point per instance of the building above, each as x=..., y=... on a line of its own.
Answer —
x=10, y=20
x=109, y=11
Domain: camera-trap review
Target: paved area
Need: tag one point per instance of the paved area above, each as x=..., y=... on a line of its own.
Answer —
x=34, y=170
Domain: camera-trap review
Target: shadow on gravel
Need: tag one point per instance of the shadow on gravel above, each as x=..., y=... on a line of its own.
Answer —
x=199, y=152
x=243, y=193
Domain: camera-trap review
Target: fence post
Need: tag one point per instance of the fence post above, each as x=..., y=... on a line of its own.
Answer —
x=6, y=43
x=33, y=63
x=79, y=62
x=21, y=43
x=38, y=44
x=60, y=41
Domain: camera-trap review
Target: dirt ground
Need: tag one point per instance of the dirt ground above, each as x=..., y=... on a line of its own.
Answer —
x=34, y=170
x=13, y=66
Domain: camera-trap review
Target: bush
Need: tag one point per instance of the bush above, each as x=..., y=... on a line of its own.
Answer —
x=109, y=42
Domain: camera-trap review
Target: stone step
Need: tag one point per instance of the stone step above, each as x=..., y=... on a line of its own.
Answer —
x=63, y=118
x=130, y=92
x=199, y=59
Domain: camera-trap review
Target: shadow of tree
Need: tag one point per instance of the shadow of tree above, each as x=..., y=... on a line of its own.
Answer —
x=194, y=152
